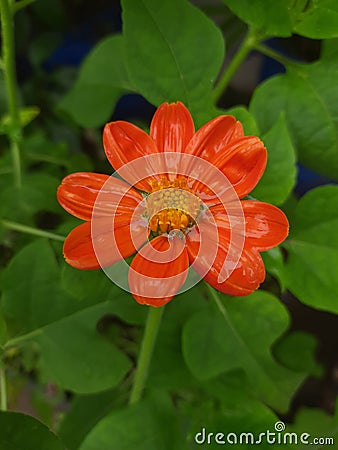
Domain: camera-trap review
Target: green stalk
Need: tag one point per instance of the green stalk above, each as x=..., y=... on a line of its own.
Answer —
x=8, y=54
x=3, y=389
x=30, y=230
x=146, y=352
x=286, y=62
x=249, y=42
x=23, y=338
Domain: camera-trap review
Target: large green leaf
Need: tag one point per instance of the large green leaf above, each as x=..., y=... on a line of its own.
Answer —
x=320, y=426
x=173, y=51
x=37, y=193
x=168, y=368
x=148, y=425
x=76, y=357
x=214, y=343
x=102, y=80
x=72, y=352
x=306, y=95
x=317, y=20
x=226, y=406
x=245, y=117
x=84, y=413
x=22, y=432
x=296, y=351
x=270, y=16
x=312, y=263
x=95, y=284
x=280, y=174
x=32, y=295
x=274, y=264
x=329, y=49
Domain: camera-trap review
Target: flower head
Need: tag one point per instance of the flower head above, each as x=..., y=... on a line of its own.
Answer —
x=179, y=204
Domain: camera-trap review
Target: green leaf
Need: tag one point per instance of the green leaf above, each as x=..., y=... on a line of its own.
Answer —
x=26, y=115
x=19, y=431
x=306, y=96
x=318, y=424
x=280, y=174
x=3, y=329
x=76, y=357
x=329, y=49
x=95, y=284
x=38, y=147
x=84, y=413
x=312, y=263
x=318, y=20
x=31, y=293
x=72, y=352
x=270, y=16
x=148, y=425
x=102, y=81
x=243, y=115
x=37, y=193
x=167, y=65
x=227, y=407
x=214, y=344
x=296, y=351
x=274, y=264
x=168, y=369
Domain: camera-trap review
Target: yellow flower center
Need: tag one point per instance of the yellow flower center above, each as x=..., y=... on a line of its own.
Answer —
x=171, y=206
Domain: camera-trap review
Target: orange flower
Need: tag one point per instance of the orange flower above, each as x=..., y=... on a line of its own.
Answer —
x=171, y=218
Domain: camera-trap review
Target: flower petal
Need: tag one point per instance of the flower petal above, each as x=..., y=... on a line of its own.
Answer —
x=112, y=243
x=242, y=159
x=158, y=271
x=243, y=163
x=123, y=143
x=214, y=136
x=245, y=279
x=266, y=225
x=172, y=127
x=233, y=268
x=78, y=193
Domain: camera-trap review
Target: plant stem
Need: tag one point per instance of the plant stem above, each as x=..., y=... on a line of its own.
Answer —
x=275, y=55
x=8, y=55
x=21, y=4
x=247, y=45
x=3, y=389
x=30, y=230
x=24, y=337
x=147, y=347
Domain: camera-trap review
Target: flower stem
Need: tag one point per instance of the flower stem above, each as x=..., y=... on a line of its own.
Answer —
x=147, y=347
x=8, y=55
x=24, y=337
x=21, y=4
x=286, y=62
x=249, y=42
x=3, y=389
x=30, y=230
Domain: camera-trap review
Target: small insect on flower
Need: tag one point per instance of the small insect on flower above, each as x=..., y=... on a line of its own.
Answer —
x=178, y=205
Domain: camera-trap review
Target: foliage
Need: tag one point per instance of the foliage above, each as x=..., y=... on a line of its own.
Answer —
x=225, y=364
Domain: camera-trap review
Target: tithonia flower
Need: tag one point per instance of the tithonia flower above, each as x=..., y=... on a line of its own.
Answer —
x=167, y=211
